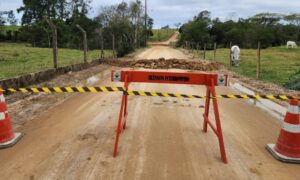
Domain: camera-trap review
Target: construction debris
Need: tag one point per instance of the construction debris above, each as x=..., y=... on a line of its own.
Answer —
x=167, y=64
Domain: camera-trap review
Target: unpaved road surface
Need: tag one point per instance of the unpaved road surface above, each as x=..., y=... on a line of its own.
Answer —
x=157, y=52
x=164, y=138
x=173, y=38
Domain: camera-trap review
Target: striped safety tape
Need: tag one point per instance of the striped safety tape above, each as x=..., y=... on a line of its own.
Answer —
x=271, y=97
x=140, y=93
x=64, y=89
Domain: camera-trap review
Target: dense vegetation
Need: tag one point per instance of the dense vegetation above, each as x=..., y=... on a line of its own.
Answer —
x=269, y=28
x=124, y=21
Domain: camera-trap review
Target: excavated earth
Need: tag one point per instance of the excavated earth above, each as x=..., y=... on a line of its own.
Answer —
x=162, y=63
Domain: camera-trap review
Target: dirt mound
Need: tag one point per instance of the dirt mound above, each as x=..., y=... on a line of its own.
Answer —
x=167, y=64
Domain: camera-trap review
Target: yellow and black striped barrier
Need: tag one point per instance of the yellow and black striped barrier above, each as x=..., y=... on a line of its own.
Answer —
x=138, y=93
x=64, y=89
x=271, y=97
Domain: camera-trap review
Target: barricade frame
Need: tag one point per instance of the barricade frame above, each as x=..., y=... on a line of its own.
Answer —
x=210, y=80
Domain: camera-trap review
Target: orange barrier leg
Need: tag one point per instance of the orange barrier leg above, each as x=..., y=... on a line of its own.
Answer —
x=125, y=110
x=211, y=92
x=119, y=128
x=206, y=112
x=122, y=119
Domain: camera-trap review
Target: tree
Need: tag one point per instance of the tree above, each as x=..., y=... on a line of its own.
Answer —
x=2, y=18
x=177, y=25
x=11, y=19
x=63, y=8
x=35, y=10
x=265, y=27
x=136, y=11
x=165, y=27
x=266, y=19
x=293, y=19
x=80, y=7
x=124, y=22
x=196, y=30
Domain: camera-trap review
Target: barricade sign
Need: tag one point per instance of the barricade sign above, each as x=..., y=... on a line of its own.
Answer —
x=210, y=80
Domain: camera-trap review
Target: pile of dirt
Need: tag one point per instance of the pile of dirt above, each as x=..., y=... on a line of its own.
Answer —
x=262, y=87
x=167, y=64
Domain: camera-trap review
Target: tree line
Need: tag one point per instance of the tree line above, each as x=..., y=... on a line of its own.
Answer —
x=271, y=29
x=123, y=22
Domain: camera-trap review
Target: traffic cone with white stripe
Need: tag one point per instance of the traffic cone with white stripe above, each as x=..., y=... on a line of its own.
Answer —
x=7, y=137
x=287, y=148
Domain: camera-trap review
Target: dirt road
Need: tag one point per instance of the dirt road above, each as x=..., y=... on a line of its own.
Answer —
x=173, y=38
x=164, y=138
x=157, y=52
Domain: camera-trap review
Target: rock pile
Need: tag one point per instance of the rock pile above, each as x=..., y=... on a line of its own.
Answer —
x=168, y=64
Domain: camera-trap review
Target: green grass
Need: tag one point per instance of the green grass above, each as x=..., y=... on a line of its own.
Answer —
x=160, y=35
x=278, y=64
x=12, y=28
x=4, y=29
x=17, y=59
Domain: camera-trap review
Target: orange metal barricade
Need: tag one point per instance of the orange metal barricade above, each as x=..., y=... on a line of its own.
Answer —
x=210, y=80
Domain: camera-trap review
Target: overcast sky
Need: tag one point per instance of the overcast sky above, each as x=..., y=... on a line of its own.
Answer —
x=169, y=12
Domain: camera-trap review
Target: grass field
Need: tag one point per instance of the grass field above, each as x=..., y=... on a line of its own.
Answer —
x=160, y=35
x=18, y=59
x=12, y=28
x=4, y=29
x=278, y=65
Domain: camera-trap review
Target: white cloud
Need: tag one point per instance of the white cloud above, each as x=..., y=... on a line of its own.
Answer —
x=172, y=11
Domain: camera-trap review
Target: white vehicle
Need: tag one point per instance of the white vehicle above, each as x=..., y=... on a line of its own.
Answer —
x=235, y=55
x=291, y=44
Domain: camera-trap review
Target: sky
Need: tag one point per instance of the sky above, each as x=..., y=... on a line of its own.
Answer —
x=170, y=12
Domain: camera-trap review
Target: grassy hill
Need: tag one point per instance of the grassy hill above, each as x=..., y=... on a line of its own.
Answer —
x=13, y=28
x=4, y=29
x=17, y=59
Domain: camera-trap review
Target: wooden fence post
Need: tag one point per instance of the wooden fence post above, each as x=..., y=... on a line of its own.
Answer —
x=215, y=51
x=84, y=42
x=230, y=61
x=102, y=44
x=192, y=47
x=54, y=41
x=204, y=52
x=113, y=45
x=258, y=67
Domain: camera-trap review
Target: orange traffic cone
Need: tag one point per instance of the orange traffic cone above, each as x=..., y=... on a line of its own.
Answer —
x=287, y=148
x=7, y=137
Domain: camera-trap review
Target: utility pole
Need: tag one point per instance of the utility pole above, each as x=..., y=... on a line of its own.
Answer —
x=146, y=14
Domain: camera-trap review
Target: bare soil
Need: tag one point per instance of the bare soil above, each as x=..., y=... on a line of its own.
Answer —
x=162, y=63
x=25, y=106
